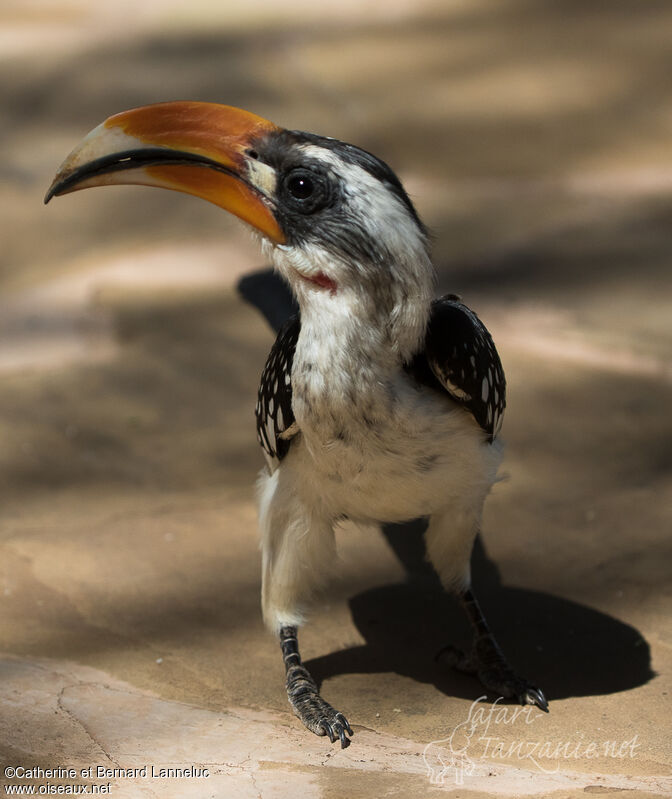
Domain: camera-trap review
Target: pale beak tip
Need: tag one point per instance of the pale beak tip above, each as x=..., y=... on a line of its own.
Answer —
x=52, y=191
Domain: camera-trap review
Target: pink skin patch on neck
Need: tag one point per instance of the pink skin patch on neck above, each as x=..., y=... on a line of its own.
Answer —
x=321, y=280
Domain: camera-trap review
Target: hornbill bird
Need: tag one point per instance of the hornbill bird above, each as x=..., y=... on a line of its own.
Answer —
x=377, y=403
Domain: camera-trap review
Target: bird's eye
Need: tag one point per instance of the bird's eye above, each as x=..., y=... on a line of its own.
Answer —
x=305, y=190
x=300, y=187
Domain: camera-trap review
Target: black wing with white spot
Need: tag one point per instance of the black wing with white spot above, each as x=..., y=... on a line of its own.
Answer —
x=274, y=405
x=461, y=356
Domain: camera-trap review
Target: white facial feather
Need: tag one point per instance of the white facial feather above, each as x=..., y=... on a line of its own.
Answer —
x=406, y=279
x=384, y=216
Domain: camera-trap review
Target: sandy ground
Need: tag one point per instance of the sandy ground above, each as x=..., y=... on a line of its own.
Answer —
x=535, y=140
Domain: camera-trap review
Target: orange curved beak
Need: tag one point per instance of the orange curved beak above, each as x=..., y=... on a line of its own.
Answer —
x=204, y=149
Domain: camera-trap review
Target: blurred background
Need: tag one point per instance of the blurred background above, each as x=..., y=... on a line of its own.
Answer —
x=534, y=138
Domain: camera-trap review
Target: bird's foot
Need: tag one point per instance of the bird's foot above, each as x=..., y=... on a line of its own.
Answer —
x=487, y=662
x=316, y=714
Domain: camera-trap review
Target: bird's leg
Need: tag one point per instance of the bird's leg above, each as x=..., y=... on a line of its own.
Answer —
x=316, y=714
x=298, y=548
x=487, y=661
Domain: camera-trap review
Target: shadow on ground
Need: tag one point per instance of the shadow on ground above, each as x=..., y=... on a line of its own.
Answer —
x=566, y=648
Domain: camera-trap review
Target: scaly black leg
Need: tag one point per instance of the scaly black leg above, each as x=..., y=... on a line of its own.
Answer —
x=486, y=660
x=319, y=716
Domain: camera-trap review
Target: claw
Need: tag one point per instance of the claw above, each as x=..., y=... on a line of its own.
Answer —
x=340, y=717
x=323, y=725
x=534, y=696
x=344, y=741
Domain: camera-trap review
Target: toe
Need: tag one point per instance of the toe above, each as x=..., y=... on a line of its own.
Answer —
x=324, y=728
x=456, y=658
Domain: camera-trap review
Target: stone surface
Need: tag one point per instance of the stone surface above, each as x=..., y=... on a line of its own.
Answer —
x=534, y=139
